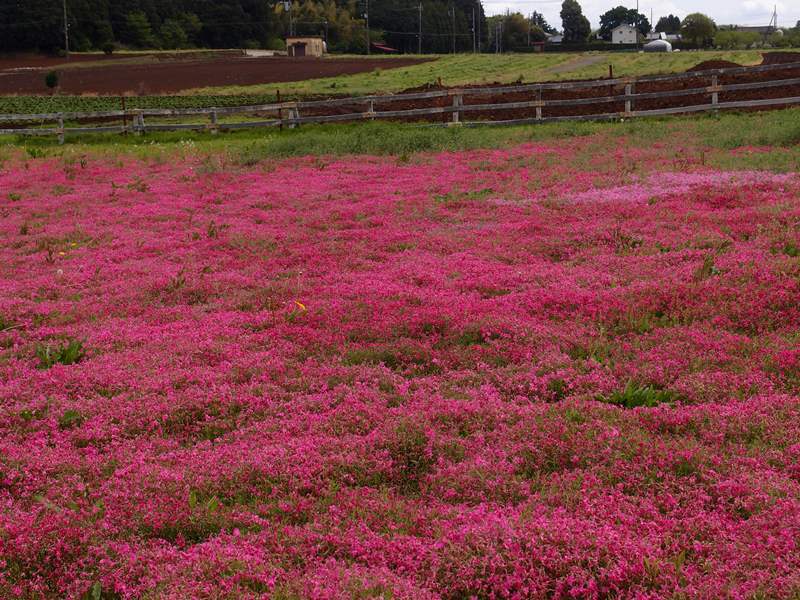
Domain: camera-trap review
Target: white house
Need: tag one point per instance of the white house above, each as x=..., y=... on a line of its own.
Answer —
x=624, y=34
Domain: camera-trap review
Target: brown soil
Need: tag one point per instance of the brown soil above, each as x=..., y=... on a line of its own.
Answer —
x=598, y=108
x=162, y=75
x=42, y=61
x=707, y=65
x=773, y=58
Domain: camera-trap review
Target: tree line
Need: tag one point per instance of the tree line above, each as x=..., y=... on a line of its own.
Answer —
x=514, y=30
x=428, y=26
x=38, y=25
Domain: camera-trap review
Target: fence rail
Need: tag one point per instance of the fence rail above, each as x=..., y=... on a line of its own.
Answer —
x=288, y=114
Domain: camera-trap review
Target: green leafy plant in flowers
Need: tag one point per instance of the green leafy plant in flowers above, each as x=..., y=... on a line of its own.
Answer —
x=67, y=353
x=634, y=395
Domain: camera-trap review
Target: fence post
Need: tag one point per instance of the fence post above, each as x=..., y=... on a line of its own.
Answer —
x=715, y=90
x=214, y=122
x=280, y=110
x=539, y=105
x=61, y=129
x=141, y=128
x=371, y=110
x=294, y=113
x=458, y=101
x=628, y=102
x=124, y=117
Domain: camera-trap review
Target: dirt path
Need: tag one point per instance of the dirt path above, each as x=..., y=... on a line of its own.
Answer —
x=579, y=62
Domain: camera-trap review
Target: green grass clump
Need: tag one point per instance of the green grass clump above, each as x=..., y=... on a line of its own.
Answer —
x=637, y=396
x=407, y=445
x=68, y=353
x=70, y=419
x=401, y=357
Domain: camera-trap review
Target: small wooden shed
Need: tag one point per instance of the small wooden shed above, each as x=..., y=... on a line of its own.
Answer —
x=305, y=46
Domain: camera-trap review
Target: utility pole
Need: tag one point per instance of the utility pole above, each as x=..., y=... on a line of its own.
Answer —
x=66, y=30
x=419, y=35
x=479, y=32
x=366, y=16
x=474, y=45
x=287, y=7
x=529, y=31
x=453, y=6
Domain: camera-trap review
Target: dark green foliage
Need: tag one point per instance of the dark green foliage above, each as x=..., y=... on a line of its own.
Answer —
x=698, y=29
x=51, y=80
x=70, y=419
x=99, y=24
x=539, y=21
x=670, y=24
x=67, y=353
x=576, y=25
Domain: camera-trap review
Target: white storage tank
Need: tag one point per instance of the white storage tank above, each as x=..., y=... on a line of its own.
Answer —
x=658, y=46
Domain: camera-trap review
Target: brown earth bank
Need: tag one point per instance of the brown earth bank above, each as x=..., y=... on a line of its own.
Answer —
x=155, y=74
x=599, y=108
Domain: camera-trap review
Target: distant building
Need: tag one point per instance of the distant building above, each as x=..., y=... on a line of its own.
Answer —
x=660, y=35
x=305, y=46
x=556, y=38
x=624, y=34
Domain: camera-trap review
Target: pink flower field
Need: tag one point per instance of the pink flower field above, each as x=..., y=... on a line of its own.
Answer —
x=557, y=370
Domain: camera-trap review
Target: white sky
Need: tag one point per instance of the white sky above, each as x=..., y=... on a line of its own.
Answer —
x=724, y=12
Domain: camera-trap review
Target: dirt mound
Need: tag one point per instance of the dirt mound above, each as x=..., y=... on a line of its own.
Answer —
x=708, y=65
x=780, y=58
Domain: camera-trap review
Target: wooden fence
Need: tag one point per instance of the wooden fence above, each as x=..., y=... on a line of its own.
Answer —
x=290, y=114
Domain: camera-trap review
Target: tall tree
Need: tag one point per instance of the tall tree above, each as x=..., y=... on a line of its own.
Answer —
x=94, y=24
x=698, y=29
x=576, y=26
x=622, y=16
x=538, y=19
x=670, y=24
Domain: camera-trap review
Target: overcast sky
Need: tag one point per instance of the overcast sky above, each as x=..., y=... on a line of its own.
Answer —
x=724, y=12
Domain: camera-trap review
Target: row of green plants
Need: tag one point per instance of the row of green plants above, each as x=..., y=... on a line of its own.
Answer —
x=54, y=104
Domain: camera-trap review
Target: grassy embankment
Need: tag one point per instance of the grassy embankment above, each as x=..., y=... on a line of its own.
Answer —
x=463, y=69
x=710, y=139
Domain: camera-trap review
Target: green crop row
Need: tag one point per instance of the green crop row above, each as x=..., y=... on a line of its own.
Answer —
x=55, y=104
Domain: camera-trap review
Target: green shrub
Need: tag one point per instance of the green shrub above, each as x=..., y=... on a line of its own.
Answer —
x=51, y=80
